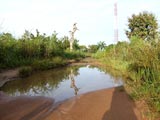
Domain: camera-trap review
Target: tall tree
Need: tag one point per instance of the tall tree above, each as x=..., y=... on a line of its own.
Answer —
x=144, y=26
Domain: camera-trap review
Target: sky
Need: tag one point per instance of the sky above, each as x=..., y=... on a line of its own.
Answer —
x=94, y=18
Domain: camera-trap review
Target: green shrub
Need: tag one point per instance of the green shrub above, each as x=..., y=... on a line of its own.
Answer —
x=25, y=71
x=58, y=61
x=42, y=65
x=48, y=63
x=73, y=55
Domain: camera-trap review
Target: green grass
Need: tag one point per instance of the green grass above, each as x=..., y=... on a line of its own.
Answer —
x=138, y=63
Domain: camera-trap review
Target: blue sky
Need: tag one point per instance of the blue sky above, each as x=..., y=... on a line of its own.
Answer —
x=94, y=18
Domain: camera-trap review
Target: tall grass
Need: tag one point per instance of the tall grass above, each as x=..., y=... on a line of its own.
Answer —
x=139, y=62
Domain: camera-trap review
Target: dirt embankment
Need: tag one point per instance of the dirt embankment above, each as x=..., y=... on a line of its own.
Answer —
x=8, y=75
x=86, y=61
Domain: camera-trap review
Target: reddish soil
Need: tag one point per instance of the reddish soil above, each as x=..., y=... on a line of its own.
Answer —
x=24, y=107
x=107, y=104
x=8, y=75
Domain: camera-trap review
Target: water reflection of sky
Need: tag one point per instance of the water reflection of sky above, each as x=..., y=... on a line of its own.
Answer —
x=85, y=79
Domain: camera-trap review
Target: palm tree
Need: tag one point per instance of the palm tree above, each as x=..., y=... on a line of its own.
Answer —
x=101, y=45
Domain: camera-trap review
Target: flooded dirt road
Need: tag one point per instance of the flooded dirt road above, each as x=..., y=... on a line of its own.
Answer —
x=69, y=93
x=106, y=104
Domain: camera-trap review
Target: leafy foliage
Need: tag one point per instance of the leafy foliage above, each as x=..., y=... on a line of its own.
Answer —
x=101, y=45
x=144, y=25
x=25, y=50
x=25, y=71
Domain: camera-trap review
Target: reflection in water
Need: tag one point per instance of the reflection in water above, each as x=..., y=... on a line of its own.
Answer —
x=73, y=85
x=59, y=83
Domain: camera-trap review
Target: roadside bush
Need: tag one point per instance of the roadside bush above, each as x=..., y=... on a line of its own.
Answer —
x=48, y=63
x=73, y=55
x=59, y=61
x=42, y=64
x=25, y=71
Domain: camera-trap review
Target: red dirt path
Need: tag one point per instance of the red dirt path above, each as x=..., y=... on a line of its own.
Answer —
x=107, y=104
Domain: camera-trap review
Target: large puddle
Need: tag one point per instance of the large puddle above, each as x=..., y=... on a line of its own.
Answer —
x=62, y=83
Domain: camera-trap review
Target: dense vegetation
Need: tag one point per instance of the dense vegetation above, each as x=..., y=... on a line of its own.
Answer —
x=139, y=62
x=144, y=25
x=36, y=50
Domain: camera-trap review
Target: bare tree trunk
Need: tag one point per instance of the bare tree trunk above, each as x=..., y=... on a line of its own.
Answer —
x=72, y=36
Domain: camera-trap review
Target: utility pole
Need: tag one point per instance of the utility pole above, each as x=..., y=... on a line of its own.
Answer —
x=115, y=22
x=72, y=36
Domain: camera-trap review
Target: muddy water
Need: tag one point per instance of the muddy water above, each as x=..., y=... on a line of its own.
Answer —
x=62, y=83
